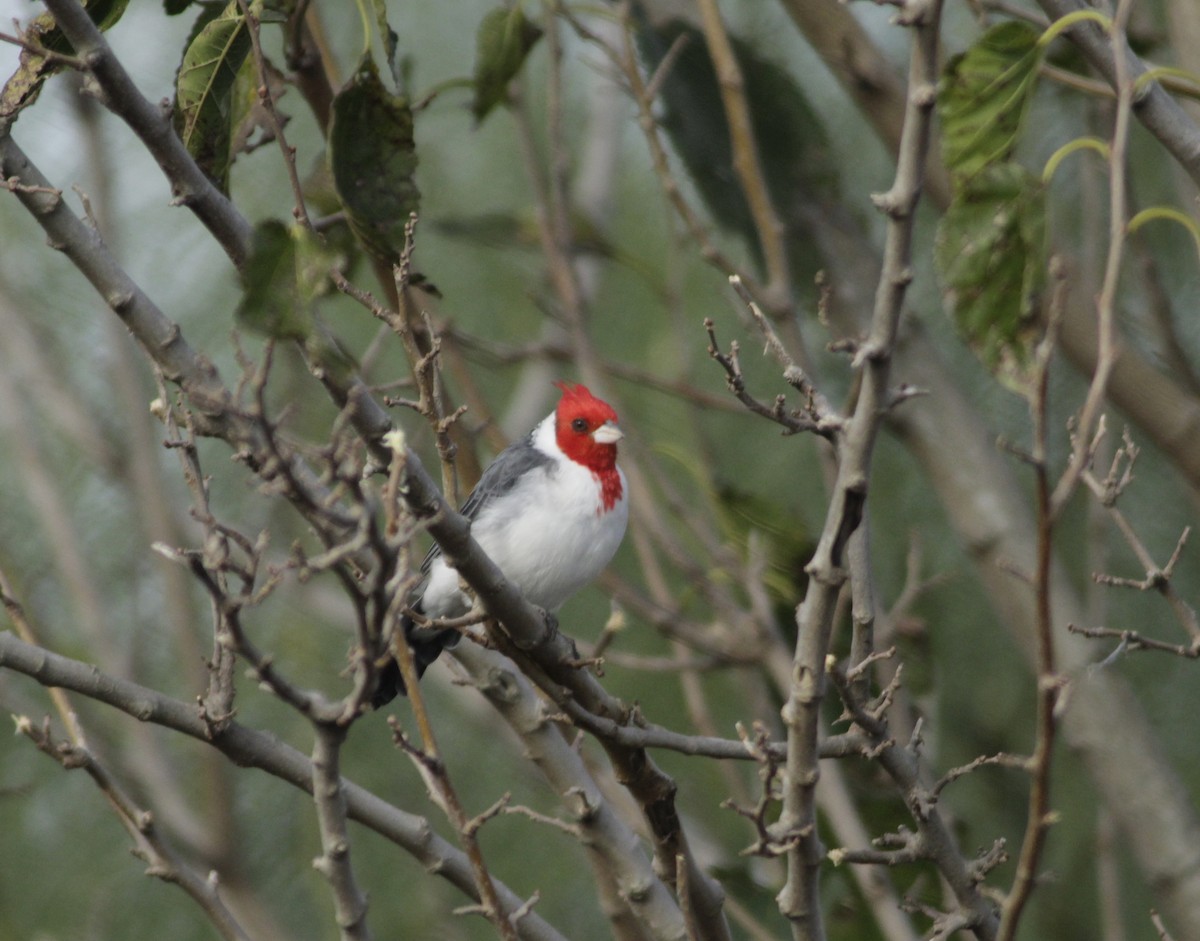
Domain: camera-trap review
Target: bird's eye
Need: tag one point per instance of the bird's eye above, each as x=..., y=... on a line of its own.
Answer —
x=579, y=426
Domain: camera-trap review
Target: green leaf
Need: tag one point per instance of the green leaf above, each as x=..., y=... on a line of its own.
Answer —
x=504, y=39
x=204, y=89
x=990, y=253
x=373, y=157
x=246, y=112
x=288, y=269
x=25, y=84
x=984, y=97
x=314, y=258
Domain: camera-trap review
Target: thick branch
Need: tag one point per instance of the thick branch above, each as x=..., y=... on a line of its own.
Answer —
x=799, y=898
x=329, y=795
x=161, y=861
x=1159, y=113
x=611, y=845
x=153, y=127
x=248, y=747
x=864, y=73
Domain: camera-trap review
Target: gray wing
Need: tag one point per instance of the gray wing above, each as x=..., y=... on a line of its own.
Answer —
x=427, y=644
x=498, y=479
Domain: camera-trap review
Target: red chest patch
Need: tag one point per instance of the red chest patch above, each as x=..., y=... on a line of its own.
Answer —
x=610, y=488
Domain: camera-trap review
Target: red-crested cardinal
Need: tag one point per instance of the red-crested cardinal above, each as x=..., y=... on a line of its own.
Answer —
x=550, y=511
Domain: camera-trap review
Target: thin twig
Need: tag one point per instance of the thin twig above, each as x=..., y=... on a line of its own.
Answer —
x=747, y=164
x=162, y=862
x=1156, y=579
x=253, y=25
x=248, y=747
x=1130, y=641
x=188, y=182
x=793, y=421
x=429, y=760
x=1089, y=415
x=1039, y=818
x=35, y=47
x=1156, y=920
x=626, y=61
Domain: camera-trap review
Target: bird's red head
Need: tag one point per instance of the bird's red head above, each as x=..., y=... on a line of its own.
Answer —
x=586, y=430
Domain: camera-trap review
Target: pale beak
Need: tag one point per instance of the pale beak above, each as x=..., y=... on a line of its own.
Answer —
x=608, y=433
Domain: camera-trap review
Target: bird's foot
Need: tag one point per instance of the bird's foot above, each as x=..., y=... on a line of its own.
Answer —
x=550, y=619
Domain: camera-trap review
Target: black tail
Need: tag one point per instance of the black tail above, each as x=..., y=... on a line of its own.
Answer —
x=426, y=647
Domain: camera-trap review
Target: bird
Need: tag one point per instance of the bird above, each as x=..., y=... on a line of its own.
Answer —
x=550, y=511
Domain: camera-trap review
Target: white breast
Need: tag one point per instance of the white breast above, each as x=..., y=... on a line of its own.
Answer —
x=550, y=534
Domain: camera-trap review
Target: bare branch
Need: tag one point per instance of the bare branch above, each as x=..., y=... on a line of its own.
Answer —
x=611, y=845
x=1161, y=115
x=1156, y=920
x=1132, y=640
x=153, y=127
x=251, y=748
x=793, y=421
x=162, y=862
x=437, y=778
x=746, y=162
x=799, y=899
x=253, y=24
x=350, y=903
x=626, y=60
x=1003, y=759
x=1157, y=579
